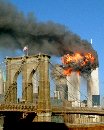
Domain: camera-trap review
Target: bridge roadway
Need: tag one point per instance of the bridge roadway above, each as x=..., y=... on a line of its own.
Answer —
x=30, y=108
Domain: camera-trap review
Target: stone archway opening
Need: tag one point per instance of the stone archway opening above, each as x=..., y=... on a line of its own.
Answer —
x=19, y=87
x=35, y=82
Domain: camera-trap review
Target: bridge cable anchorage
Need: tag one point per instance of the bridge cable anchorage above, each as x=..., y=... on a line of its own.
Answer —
x=70, y=84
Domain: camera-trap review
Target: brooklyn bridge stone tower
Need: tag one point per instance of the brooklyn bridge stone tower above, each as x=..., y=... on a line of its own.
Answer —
x=27, y=66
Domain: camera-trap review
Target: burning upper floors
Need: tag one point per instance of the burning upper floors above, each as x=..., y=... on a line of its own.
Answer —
x=79, y=63
x=74, y=67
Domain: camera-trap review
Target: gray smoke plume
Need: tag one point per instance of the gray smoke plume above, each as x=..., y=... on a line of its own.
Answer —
x=18, y=30
x=57, y=72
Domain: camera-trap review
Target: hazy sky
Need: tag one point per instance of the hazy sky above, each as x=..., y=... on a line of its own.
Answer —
x=83, y=17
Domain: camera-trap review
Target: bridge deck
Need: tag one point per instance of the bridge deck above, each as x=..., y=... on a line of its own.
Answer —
x=58, y=110
x=78, y=110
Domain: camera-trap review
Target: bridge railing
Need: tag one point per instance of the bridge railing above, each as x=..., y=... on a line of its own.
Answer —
x=17, y=107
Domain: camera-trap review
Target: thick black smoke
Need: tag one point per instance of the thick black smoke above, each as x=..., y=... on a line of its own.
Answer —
x=18, y=30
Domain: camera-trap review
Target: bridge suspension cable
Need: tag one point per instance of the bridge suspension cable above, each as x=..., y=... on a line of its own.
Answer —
x=19, y=63
x=70, y=84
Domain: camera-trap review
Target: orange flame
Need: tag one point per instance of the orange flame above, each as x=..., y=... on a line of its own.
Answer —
x=77, y=59
x=67, y=71
x=66, y=59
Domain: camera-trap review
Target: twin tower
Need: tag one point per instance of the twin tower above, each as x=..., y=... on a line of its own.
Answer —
x=72, y=83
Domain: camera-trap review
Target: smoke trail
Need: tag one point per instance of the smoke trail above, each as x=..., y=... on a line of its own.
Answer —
x=17, y=30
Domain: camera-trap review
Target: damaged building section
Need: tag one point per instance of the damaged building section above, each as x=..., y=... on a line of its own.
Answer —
x=74, y=66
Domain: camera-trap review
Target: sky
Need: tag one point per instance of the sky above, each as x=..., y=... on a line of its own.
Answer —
x=83, y=17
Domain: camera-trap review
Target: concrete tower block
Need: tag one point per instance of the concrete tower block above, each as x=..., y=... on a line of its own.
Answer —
x=61, y=88
x=92, y=86
x=73, y=83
